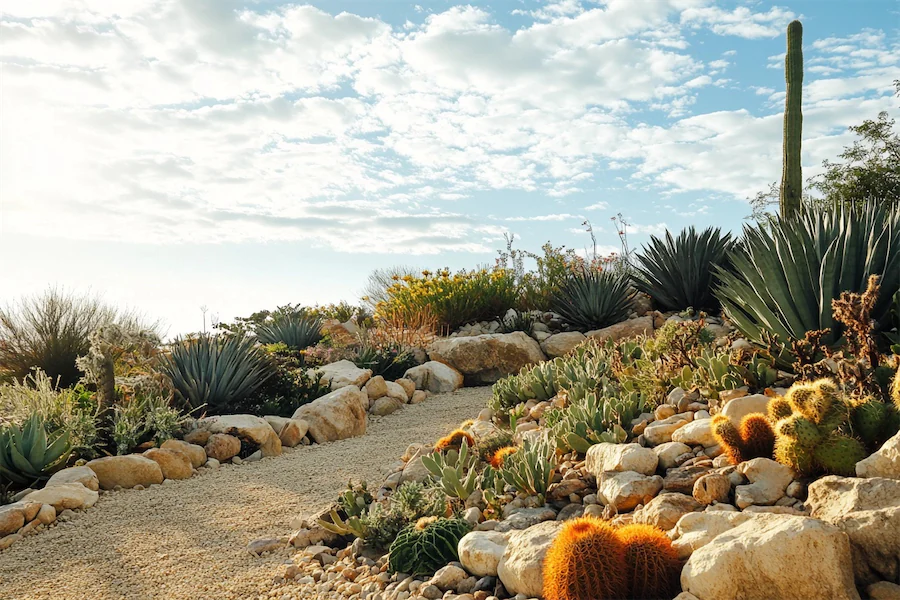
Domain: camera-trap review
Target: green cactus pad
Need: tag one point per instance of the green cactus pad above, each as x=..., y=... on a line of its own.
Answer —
x=838, y=455
x=803, y=431
x=789, y=453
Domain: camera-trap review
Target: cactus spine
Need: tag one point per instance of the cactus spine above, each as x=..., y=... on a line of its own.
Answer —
x=586, y=560
x=791, y=176
x=653, y=564
x=754, y=437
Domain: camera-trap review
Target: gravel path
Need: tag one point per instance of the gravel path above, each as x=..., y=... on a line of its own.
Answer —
x=187, y=540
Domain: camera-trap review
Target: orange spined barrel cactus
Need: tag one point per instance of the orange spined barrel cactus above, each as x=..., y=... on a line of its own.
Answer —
x=454, y=441
x=586, y=562
x=653, y=567
x=753, y=438
x=500, y=455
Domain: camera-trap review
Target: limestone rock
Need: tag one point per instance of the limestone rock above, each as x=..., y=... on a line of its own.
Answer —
x=868, y=510
x=668, y=452
x=561, y=344
x=883, y=590
x=385, y=406
x=447, y=578
x=336, y=416
x=660, y=432
x=738, y=408
x=629, y=328
x=883, y=463
x=196, y=454
x=712, y=488
x=47, y=514
x=222, y=447
x=768, y=482
x=174, y=464
x=63, y=496
x=480, y=552
x=396, y=391
x=82, y=475
x=521, y=567
x=342, y=374
x=696, y=433
x=620, y=457
x=625, y=490
x=435, y=377
x=249, y=428
x=523, y=518
x=682, y=479
x=484, y=359
x=376, y=388
x=696, y=529
x=290, y=431
x=418, y=397
x=773, y=556
x=408, y=385
x=126, y=471
x=12, y=518
x=665, y=510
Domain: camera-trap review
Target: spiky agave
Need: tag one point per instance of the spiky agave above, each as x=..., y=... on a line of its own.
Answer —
x=592, y=299
x=296, y=330
x=28, y=454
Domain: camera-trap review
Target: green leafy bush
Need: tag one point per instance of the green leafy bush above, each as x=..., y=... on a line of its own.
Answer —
x=677, y=273
x=593, y=299
x=291, y=385
x=787, y=272
x=216, y=370
x=425, y=547
x=29, y=454
x=296, y=330
x=593, y=419
x=388, y=360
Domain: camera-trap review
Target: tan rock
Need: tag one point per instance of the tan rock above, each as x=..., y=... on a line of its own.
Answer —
x=768, y=482
x=418, y=396
x=47, y=514
x=696, y=529
x=480, y=552
x=696, y=433
x=620, y=457
x=196, y=454
x=408, y=385
x=126, y=471
x=560, y=344
x=773, y=556
x=290, y=431
x=665, y=510
x=660, y=432
x=12, y=518
x=336, y=416
x=669, y=452
x=197, y=436
x=738, y=408
x=342, y=374
x=174, y=464
x=487, y=358
x=376, y=388
x=396, y=391
x=883, y=590
x=629, y=328
x=712, y=488
x=385, y=406
x=625, y=490
x=249, y=428
x=435, y=377
x=82, y=475
x=885, y=462
x=64, y=495
x=521, y=566
x=222, y=447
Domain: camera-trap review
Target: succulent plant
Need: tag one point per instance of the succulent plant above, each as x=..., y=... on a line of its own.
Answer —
x=596, y=418
x=754, y=437
x=677, y=272
x=586, y=560
x=791, y=193
x=593, y=299
x=454, y=471
x=28, y=454
x=425, y=547
x=531, y=469
x=295, y=329
x=653, y=565
x=874, y=421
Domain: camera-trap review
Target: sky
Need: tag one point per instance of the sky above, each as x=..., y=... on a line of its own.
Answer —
x=238, y=155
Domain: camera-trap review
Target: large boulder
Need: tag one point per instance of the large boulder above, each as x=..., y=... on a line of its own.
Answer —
x=222, y=447
x=290, y=431
x=624, y=329
x=175, y=464
x=435, y=377
x=248, y=428
x=480, y=552
x=336, y=416
x=82, y=475
x=620, y=457
x=196, y=454
x=560, y=344
x=696, y=529
x=883, y=463
x=126, y=471
x=64, y=496
x=773, y=556
x=484, y=359
x=626, y=489
x=868, y=510
x=343, y=373
x=665, y=510
x=521, y=567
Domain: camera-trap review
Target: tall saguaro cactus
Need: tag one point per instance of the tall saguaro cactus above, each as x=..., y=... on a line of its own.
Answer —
x=791, y=176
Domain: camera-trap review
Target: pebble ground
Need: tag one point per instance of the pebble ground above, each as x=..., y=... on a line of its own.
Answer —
x=188, y=540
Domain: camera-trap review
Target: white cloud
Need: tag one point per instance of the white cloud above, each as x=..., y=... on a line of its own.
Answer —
x=597, y=206
x=556, y=217
x=741, y=22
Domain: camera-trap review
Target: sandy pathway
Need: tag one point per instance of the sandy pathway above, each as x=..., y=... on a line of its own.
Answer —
x=187, y=540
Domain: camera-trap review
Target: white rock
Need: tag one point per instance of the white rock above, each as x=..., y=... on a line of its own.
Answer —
x=396, y=391
x=249, y=428
x=342, y=374
x=696, y=433
x=768, y=482
x=521, y=567
x=82, y=475
x=63, y=496
x=561, y=344
x=773, y=556
x=738, y=408
x=660, y=432
x=489, y=357
x=620, y=457
x=336, y=416
x=883, y=463
x=667, y=452
x=665, y=510
x=625, y=490
x=447, y=578
x=480, y=552
x=696, y=529
x=435, y=377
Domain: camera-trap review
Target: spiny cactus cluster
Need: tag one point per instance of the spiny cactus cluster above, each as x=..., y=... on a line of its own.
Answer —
x=753, y=438
x=426, y=546
x=591, y=559
x=454, y=441
x=500, y=455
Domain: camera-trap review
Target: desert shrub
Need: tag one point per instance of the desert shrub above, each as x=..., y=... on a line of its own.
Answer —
x=322, y=354
x=538, y=286
x=296, y=330
x=787, y=272
x=50, y=331
x=388, y=360
x=517, y=321
x=216, y=370
x=593, y=299
x=139, y=419
x=677, y=272
x=380, y=280
x=291, y=385
x=453, y=300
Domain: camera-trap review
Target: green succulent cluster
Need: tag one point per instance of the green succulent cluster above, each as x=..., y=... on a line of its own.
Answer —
x=593, y=419
x=28, y=454
x=425, y=547
x=454, y=471
x=530, y=470
x=818, y=429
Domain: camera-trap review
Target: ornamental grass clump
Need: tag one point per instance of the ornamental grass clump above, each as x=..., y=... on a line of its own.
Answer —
x=452, y=299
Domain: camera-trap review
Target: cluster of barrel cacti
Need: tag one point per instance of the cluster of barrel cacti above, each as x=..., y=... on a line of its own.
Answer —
x=818, y=429
x=426, y=546
x=591, y=559
x=454, y=441
x=752, y=438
